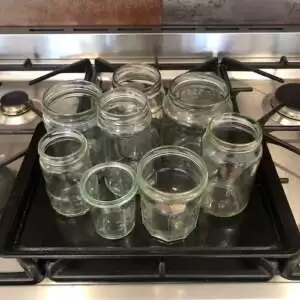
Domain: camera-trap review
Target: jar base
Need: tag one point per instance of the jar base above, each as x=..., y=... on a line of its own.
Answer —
x=169, y=239
x=115, y=236
x=71, y=214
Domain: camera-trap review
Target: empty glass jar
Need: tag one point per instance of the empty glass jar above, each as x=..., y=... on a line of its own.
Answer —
x=72, y=105
x=232, y=151
x=112, y=205
x=172, y=181
x=146, y=79
x=192, y=100
x=125, y=120
x=63, y=159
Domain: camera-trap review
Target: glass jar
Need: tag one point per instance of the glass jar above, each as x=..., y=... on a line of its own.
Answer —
x=192, y=100
x=113, y=209
x=232, y=149
x=172, y=182
x=125, y=120
x=146, y=79
x=63, y=159
x=72, y=105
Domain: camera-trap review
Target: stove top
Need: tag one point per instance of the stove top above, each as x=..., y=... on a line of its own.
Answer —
x=255, y=98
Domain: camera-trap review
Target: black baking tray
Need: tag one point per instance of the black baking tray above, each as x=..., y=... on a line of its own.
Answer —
x=144, y=269
x=290, y=268
x=31, y=228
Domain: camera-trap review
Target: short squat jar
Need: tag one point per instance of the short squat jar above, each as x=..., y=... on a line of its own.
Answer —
x=72, y=105
x=172, y=182
x=146, y=79
x=63, y=159
x=112, y=205
x=232, y=149
x=192, y=100
x=125, y=121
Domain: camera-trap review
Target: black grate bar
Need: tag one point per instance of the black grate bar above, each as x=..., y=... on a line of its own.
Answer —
x=83, y=65
x=233, y=64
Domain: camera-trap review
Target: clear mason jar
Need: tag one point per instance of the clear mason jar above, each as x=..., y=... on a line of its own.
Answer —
x=232, y=149
x=113, y=209
x=63, y=159
x=192, y=100
x=146, y=79
x=125, y=120
x=72, y=105
x=172, y=181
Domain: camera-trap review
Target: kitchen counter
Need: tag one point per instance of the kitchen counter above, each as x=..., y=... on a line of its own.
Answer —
x=36, y=13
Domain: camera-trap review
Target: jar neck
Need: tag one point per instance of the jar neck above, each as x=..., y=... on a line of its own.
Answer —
x=235, y=133
x=142, y=77
x=71, y=102
x=124, y=111
x=62, y=148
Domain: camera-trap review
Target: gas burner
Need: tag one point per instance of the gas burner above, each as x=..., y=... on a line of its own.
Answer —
x=15, y=109
x=288, y=94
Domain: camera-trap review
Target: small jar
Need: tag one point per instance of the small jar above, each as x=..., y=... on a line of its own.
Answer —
x=172, y=181
x=63, y=159
x=72, y=105
x=112, y=207
x=125, y=120
x=146, y=79
x=192, y=100
x=232, y=149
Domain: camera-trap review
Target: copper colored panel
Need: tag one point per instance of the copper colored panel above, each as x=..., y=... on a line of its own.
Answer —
x=79, y=12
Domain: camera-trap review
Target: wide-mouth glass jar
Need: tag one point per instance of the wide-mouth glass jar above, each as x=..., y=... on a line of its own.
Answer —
x=72, y=105
x=172, y=181
x=112, y=205
x=192, y=100
x=63, y=158
x=125, y=120
x=146, y=79
x=232, y=149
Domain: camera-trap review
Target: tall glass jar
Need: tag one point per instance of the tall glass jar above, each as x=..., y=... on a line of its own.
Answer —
x=146, y=79
x=125, y=120
x=192, y=100
x=72, y=105
x=63, y=159
x=172, y=181
x=232, y=151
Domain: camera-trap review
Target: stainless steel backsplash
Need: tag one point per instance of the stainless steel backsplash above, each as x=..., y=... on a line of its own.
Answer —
x=145, y=46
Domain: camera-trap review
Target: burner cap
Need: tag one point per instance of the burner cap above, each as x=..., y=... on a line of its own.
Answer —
x=288, y=94
x=14, y=103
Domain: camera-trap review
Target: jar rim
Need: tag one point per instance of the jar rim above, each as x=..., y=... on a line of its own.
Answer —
x=250, y=123
x=54, y=135
x=139, y=69
x=121, y=123
x=191, y=77
x=66, y=88
x=164, y=197
x=86, y=196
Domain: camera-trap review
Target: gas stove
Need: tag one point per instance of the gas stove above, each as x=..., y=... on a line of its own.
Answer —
x=258, y=95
